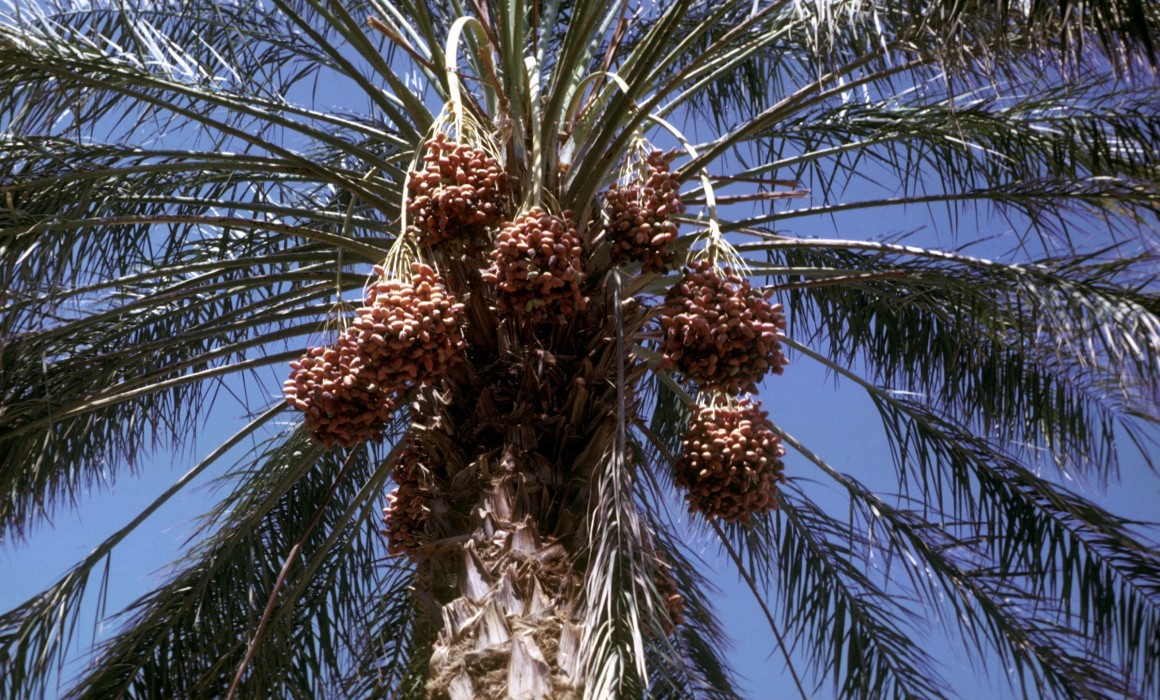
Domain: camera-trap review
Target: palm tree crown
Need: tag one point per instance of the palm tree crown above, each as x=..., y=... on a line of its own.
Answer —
x=524, y=288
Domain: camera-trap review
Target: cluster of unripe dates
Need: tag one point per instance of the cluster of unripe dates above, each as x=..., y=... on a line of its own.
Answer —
x=458, y=194
x=408, y=332
x=338, y=408
x=537, y=266
x=666, y=586
x=719, y=332
x=724, y=337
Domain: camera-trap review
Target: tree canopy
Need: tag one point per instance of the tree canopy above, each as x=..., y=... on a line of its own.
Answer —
x=195, y=195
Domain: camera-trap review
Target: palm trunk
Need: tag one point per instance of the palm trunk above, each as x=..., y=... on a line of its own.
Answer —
x=510, y=630
x=501, y=584
x=511, y=445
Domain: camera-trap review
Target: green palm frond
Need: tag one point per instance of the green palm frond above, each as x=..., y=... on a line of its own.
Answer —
x=138, y=367
x=387, y=652
x=967, y=334
x=190, y=626
x=220, y=208
x=857, y=636
x=692, y=663
x=1096, y=565
x=36, y=636
x=1021, y=154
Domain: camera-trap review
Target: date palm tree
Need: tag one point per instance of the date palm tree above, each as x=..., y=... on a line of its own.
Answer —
x=524, y=264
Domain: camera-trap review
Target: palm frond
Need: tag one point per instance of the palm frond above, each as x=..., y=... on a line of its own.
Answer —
x=389, y=658
x=971, y=332
x=36, y=637
x=1070, y=560
x=690, y=662
x=858, y=635
x=1056, y=157
x=137, y=370
x=618, y=606
x=183, y=638
x=191, y=193
x=1102, y=575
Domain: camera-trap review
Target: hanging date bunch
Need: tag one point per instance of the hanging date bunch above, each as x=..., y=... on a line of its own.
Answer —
x=719, y=332
x=408, y=331
x=339, y=407
x=639, y=213
x=730, y=461
x=537, y=266
x=406, y=334
x=405, y=517
x=666, y=586
x=457, y=194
